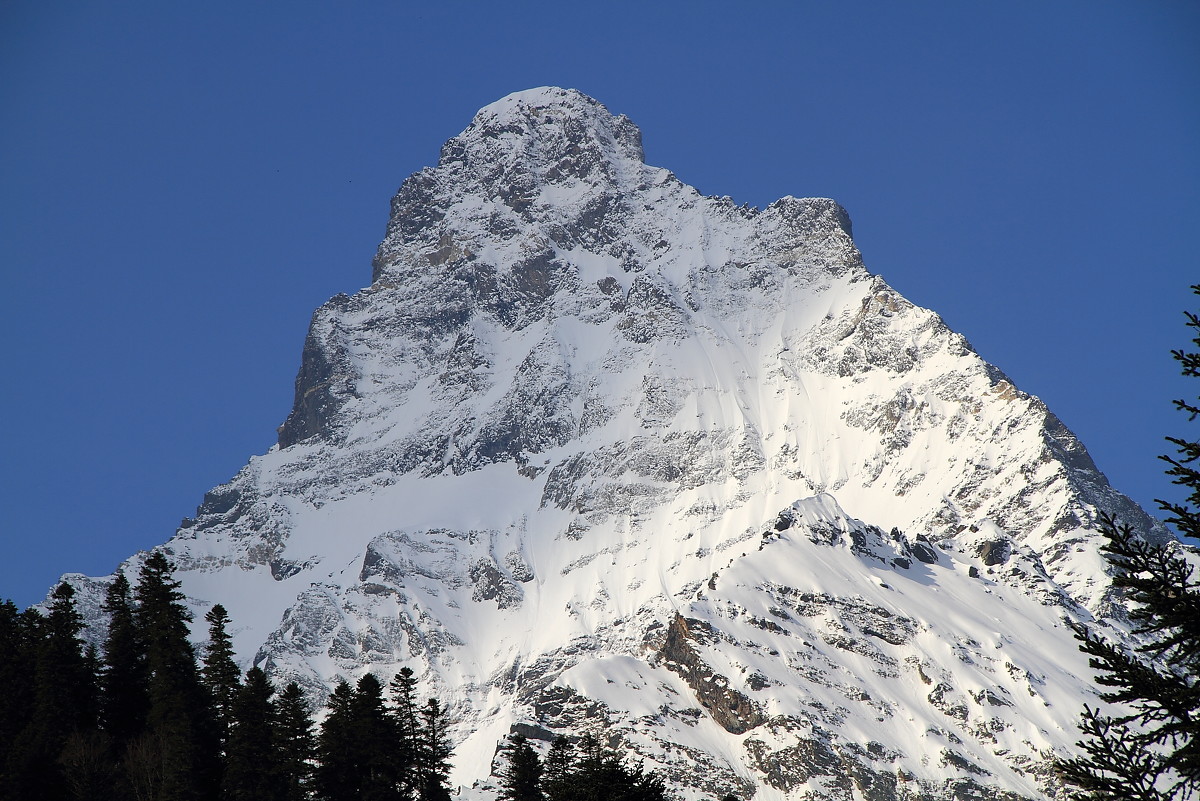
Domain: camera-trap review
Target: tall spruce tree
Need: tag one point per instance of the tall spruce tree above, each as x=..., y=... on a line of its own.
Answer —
x=123, y=700
x=86, y=757
x=251, y=764
x=521, y=780
x=20, y=633
x=219, y=672
x=1150, y=751
x=407, y=726
x=63, y=704
x=376, y=740
x=293, y=744
x=435, y=752
x=177, y=755
x=338, y=773
x=558, y=770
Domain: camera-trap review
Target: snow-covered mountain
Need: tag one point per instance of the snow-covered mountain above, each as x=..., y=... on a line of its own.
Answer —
x=596, y=452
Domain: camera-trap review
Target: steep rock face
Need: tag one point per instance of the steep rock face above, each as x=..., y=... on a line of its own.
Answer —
x=579, y=456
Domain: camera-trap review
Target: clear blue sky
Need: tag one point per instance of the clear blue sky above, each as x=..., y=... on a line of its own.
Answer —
x=182, y=184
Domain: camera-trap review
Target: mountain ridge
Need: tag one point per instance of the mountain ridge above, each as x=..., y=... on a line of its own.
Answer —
x=575, y=451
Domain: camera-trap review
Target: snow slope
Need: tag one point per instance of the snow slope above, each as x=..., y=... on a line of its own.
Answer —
x=594, y=451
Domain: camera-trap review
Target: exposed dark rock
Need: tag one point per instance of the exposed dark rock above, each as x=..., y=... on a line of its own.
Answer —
x=994, y=552
x=492, y=585
x=323, y=382
x=923, y=549
x=731, y=709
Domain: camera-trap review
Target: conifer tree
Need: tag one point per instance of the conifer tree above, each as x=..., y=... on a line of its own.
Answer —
x=337, y=775
x=19, y=636
x=251, y=766
x=86, y=756
x=521, y=779
x=178, y=754
x=595, y=773
x=293, y=744
x=123, y=701
x=219, y=672
x=558, y=770
x=435, y=752
x=376, y=741
x=1151, y=751
x=63, y=704
x=407, y=726
x=66, y=670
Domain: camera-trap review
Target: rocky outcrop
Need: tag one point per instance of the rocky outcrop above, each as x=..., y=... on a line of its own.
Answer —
x=732, y=710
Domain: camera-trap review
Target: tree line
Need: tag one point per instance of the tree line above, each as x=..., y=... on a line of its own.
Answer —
x=149, y=719
x=582, y=771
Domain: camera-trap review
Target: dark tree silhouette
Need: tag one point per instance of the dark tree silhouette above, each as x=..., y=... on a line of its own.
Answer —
x=1151, y=750
x=251, y=767
x=20, y=634
x=375, y=738
x=220, y=673
x=557, y=770
x=407, y=724
x=435, y=751
x=64, y=704
x=293, y=743
x=179, y=752
x=338, y=774
x=521, y=779
x=123, y=701
x=594, y=773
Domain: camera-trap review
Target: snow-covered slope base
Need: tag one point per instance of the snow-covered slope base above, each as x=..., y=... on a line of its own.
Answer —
x=594, y=452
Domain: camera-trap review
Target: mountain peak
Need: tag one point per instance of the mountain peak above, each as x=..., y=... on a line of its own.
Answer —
x=551, y=133
x=542, y=97
x=595, y=451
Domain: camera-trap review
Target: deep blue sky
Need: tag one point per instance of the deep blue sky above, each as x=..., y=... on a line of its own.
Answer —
x=182, y=184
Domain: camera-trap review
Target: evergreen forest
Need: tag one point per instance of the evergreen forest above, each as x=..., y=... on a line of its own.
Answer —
x=147, y=718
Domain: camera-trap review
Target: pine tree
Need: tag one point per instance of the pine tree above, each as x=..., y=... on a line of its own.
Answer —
x=1150, y=752
x=338, y=774
x=178, y=753
x=251, y=767
x=66, y=670
x=521, y=780
x=293, y=744
x=219, y=672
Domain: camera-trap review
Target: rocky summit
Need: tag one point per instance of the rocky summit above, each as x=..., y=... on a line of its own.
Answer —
x=596, y=453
